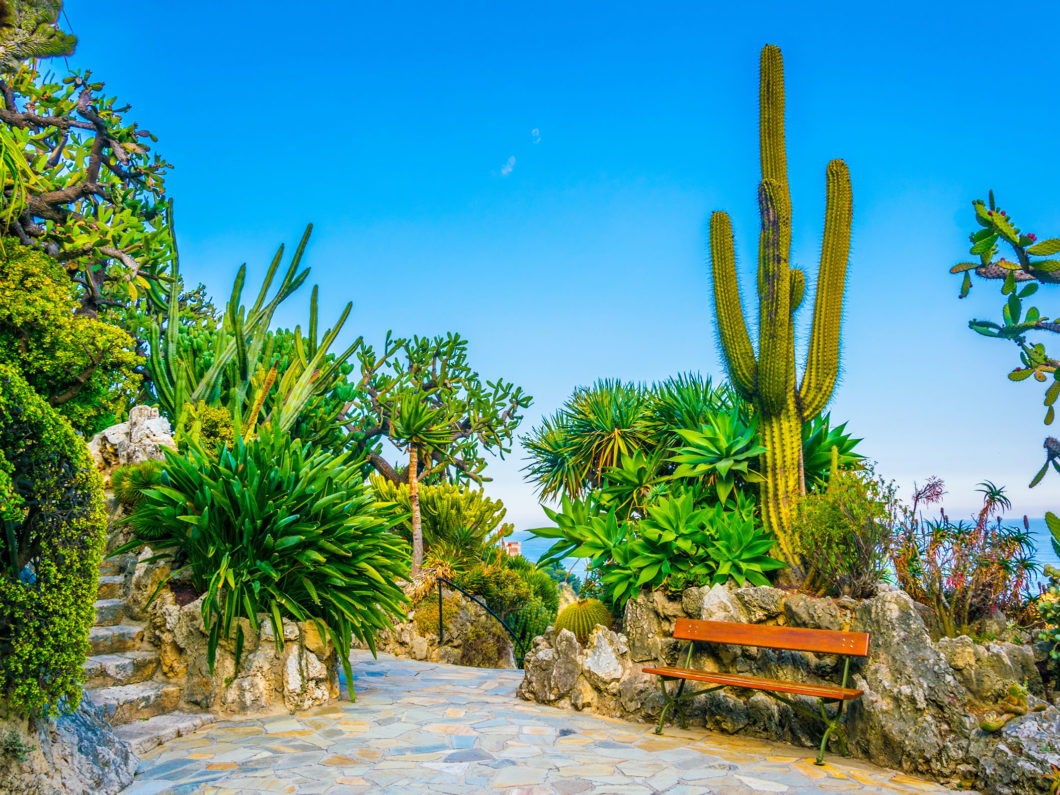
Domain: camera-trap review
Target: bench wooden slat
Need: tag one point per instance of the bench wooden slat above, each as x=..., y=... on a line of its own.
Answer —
x=821, y=641
x=759, y=683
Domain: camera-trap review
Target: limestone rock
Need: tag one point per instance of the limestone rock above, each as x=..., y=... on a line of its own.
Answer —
x=914, y=713
x=77, y=753
x=551, y=669
x=644, y=628
x=801, y=610
x=761, y=603
x=987, y=670
x=1018, y=760
x=141, y=438
x=601, y=663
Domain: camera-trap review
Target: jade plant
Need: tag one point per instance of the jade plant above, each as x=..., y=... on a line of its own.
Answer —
x=768, y=379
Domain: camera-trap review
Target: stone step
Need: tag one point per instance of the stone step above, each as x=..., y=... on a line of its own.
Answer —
x=118, y=638
x=109, y=586
x=109, y=612
x=126, y=703
x=143, y=735
x=109, y=567
x=126, y=668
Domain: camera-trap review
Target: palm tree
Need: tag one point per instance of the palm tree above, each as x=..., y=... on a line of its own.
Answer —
x=419, y=427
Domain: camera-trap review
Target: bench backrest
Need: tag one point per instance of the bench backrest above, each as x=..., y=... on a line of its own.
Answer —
x=820, y=641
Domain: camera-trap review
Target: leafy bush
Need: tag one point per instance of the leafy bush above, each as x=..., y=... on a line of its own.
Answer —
x=273, y=527
x=426, y=618
x=81, y=366
x=1048, y=603
x=844, y=533
x=54, y=529
x=483, y=644
x=207, y=428
x=963, y=571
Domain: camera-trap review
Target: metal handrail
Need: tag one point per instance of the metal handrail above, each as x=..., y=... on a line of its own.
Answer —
x=441, y=628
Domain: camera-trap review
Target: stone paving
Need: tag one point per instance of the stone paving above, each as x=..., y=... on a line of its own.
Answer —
x=425, y=727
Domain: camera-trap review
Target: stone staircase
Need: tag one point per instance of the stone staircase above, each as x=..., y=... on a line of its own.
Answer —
x=123, y=675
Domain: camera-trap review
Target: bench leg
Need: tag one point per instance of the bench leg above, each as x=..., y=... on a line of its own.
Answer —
x=832, y=726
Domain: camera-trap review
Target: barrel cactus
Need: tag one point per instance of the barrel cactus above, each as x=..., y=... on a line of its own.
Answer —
x=768, y=378
x=581, y=618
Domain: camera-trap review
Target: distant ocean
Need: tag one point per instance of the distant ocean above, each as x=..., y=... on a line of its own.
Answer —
x=534, y=547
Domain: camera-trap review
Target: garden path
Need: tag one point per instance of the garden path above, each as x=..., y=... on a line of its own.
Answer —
x=425, y=727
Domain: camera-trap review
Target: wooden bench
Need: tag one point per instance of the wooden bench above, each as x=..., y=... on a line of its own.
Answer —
x=819, y=641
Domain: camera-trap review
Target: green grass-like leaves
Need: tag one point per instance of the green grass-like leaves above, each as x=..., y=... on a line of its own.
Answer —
x=272, y=527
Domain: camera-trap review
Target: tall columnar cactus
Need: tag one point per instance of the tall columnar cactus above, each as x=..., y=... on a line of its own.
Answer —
x=769, y=380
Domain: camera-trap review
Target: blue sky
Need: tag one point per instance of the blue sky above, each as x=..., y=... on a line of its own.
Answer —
x=539, y=177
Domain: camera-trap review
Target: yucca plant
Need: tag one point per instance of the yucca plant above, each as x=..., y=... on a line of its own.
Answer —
x=272, y=527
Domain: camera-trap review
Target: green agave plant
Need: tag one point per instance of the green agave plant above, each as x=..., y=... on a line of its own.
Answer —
x=272, y=527
x=818, y=439
x=722, y=450
x=739, y=550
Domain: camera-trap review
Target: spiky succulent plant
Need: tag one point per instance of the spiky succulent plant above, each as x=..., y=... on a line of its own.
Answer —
x=581, y=618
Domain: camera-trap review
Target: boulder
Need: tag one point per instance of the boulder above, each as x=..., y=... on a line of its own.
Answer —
x=1018, y=759
x=141, y=438
x=76, y=754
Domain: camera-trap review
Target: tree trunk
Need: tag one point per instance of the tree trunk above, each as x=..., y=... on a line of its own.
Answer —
x=414, y=500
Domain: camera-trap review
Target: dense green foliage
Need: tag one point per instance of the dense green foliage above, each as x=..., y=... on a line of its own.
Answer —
x=581, y=618
x=768, y=379
x=658, y=483
x=458, y=522
x=844, y=533
x=51, y=510
x=81, y=366
x=271, y=526
x=1034, y=265
x=87, y=190
x=237, y=363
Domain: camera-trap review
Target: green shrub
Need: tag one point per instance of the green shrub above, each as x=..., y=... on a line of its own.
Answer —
x=129, y=482
x=426, y=618
x=54, y=529
x=208, y=428
x=272, y=527
x=501, y=588
x=844, y=533
x=483, y=644
x=81, y=366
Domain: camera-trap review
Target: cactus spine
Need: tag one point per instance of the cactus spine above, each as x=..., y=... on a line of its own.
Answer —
x=769, y=380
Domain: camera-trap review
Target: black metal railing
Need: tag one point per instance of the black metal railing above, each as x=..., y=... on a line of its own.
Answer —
x=518, y=639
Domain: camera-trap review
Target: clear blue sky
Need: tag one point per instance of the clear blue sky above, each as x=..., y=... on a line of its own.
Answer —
x=405, y=133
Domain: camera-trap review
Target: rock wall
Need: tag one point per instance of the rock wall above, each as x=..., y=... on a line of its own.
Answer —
x=76, y=754
x=471, y=635
x=922, y=701
x=301, y=673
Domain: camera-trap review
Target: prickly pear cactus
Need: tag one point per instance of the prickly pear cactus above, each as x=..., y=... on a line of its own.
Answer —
x=581, y=618
x=768, y=379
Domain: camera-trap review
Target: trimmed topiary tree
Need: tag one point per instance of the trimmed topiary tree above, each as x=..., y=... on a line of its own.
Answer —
x=53, y=532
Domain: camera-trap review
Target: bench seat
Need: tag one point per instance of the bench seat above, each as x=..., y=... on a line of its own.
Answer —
x=830, y=692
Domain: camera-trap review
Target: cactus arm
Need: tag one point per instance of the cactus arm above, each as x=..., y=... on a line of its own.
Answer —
x=822, y=361
x=776, y=368
x=798, y=288
x=771, y=127
x=732, y=330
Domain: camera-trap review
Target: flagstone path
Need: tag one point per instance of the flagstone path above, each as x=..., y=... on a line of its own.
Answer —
x=422, y=727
